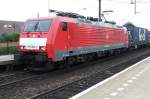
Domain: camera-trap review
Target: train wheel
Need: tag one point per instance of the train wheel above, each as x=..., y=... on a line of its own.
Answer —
x=50, y=66
x=41, y=67
x=135, y=46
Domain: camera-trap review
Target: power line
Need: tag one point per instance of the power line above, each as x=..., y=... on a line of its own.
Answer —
x=144, y=2
x=118, y=1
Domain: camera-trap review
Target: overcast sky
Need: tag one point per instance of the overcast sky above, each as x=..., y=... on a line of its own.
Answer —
x=20, y=10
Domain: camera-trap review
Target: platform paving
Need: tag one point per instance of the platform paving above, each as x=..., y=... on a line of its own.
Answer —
x=132, y=83
x=5, y=59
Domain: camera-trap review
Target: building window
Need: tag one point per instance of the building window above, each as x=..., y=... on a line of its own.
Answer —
x=7, y=26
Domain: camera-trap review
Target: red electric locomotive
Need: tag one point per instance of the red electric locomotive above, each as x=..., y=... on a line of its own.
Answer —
x=47, y=41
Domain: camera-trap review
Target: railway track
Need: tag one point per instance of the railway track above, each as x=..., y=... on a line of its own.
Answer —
x=48, y=84
x=15, y=78
x=9, y=73
x=68, y=90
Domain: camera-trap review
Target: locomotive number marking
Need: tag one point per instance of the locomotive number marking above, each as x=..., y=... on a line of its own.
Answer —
x=33, y=43
x=32, y=47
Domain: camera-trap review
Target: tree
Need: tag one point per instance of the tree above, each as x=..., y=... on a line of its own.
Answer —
x=14, y=37
x=6, y=38
x=11, y=37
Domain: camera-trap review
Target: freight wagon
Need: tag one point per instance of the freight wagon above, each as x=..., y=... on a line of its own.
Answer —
x=138, y=36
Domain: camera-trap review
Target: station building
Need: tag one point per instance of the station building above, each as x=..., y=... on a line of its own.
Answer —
x=10, y=26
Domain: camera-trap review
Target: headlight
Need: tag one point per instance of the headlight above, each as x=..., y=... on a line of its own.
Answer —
x=22, y=47
x=42, y=48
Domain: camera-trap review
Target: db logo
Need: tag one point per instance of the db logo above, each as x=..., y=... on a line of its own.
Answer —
x=141, y=35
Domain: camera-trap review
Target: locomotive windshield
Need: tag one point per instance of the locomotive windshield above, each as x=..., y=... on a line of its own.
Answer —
x=37, y=26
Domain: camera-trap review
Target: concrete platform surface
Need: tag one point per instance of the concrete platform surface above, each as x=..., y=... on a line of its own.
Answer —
x=5, y=59
x=132, y=83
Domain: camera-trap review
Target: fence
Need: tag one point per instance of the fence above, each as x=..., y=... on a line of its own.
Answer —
x=8, y=48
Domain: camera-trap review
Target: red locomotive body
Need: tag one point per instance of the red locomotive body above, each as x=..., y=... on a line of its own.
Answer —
x=58, y=38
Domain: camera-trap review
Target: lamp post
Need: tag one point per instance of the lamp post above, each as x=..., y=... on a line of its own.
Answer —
x=48, y=7
x=100, y=6
x=132, y=2
x=135, y=5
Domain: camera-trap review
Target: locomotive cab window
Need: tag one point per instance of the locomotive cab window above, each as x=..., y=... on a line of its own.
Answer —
x=64, y=26
x=37, y=26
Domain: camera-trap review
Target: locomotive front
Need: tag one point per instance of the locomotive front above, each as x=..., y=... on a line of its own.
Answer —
x=33, y=42
x=34, y=36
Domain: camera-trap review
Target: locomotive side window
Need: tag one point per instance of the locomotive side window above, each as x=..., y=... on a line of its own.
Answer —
x=64, y=26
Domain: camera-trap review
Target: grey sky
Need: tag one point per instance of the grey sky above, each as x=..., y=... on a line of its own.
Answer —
x=21, y=10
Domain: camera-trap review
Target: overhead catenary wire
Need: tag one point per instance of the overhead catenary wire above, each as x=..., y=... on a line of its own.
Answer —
x=144, y=2
x=117, y=1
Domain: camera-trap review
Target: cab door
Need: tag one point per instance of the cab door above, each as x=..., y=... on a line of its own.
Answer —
x=66, y=31
x=71, y=36
x=70, y=31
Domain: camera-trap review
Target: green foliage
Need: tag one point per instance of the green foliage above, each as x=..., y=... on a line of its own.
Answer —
x=2, y=38
x=9, y=37
x=14, y=37
x=9, y=50
x=6, y=38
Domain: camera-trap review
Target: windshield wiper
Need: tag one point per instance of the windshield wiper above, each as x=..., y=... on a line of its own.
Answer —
x=36, y=26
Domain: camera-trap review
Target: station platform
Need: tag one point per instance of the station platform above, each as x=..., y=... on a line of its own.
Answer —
x=132, y=83
x=6, y=59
